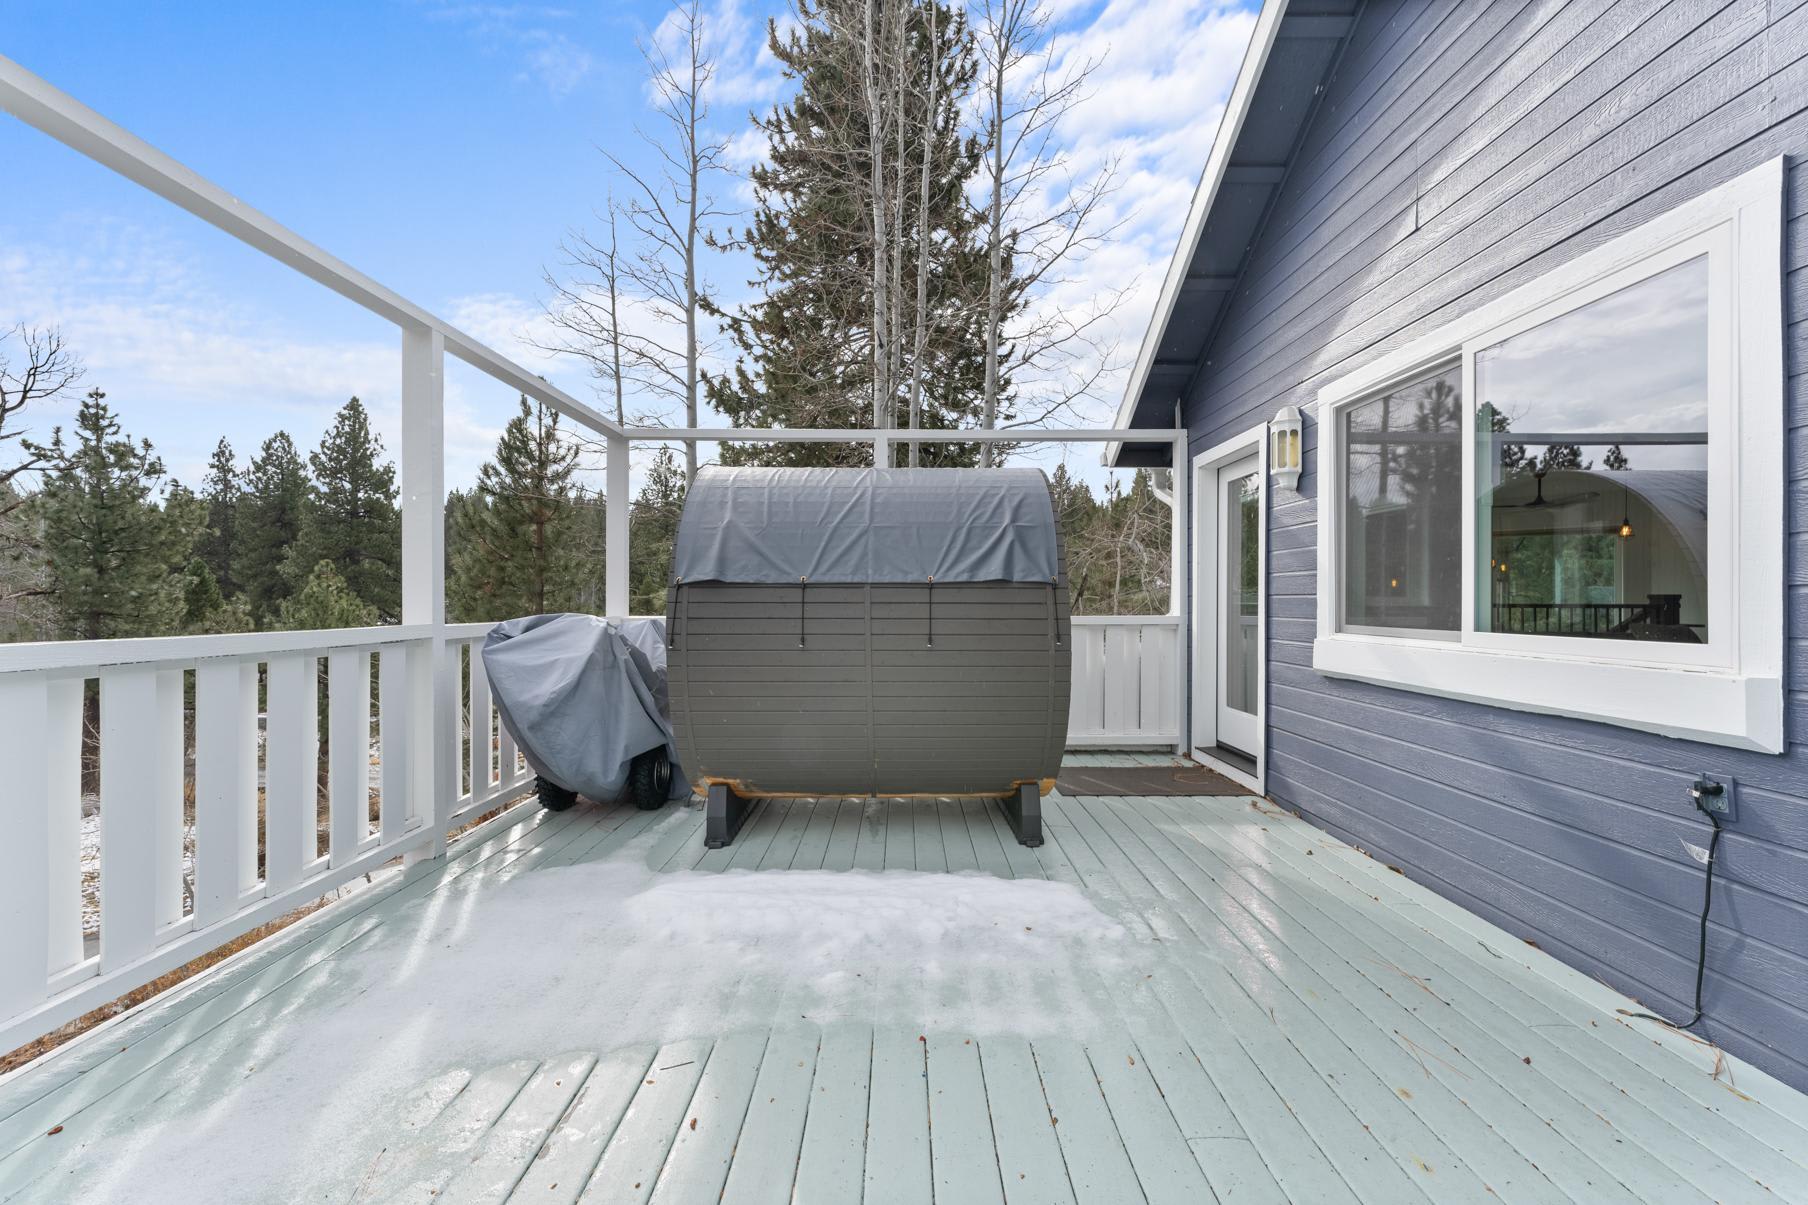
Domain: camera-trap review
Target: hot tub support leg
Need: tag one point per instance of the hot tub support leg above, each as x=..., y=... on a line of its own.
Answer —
x=723, y=814
x=1024, y=811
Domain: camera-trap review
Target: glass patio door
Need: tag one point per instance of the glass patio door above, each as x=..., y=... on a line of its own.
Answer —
x=1239, y=587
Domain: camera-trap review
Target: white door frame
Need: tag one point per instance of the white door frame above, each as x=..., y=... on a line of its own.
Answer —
x=1202, y=694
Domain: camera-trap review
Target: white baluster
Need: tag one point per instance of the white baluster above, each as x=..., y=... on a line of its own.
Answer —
x=291, y=737
x=393, y=731
x=221, y=755
x=166, y=792
x=130, y=731
x=480, y=724
x=348, y=750
x=63, y=751
x=24, y=877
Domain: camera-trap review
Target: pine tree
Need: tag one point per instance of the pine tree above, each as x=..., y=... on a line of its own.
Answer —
x=217, y=545
x=514, y=542
x=1075, y=512
x=268, y=525
x=837, y=229
x=350, y=517
x=652, y=528
x=201, y=596
x=110, y=549
x=326, y=600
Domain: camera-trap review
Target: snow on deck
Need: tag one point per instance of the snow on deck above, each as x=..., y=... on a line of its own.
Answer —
x=1173, y=1000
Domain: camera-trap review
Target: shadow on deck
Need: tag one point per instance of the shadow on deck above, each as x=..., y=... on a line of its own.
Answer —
x=1174, y=999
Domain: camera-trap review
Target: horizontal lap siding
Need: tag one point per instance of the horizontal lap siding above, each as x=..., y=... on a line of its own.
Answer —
x=1461, y=151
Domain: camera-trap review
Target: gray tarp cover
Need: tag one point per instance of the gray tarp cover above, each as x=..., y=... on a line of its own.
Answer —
x=583, y=697
x=866, y=525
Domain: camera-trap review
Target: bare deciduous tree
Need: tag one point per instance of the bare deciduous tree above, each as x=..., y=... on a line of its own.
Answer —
x=671, y=212
x=1040, y=216
x=670, y=209
x=585, y=309
x=45, y=368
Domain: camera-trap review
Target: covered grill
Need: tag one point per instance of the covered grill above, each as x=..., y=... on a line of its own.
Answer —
x=873, y=632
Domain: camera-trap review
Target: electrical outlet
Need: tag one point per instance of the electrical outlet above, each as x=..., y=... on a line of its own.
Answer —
x=1713, y=794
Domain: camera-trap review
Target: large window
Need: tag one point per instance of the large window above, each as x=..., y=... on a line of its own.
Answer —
x=1403, y=496
x=1591, y=433
x=1572, y=500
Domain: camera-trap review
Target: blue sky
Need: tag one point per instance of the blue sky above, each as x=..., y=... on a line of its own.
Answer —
x=444, y=148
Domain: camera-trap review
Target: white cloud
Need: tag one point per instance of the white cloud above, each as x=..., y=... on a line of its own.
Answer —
x=555, y=60
x=183, y=363
x=548, y=56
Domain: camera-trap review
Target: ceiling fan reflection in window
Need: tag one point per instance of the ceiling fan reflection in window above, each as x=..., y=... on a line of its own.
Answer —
x=1539, y=501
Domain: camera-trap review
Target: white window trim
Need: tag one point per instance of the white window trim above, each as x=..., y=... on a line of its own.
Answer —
x=1728, y=692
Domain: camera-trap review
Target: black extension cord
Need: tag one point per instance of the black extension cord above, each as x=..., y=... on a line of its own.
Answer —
x=1701, y=953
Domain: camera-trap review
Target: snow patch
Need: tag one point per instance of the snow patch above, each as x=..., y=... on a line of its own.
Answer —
x=593, y=957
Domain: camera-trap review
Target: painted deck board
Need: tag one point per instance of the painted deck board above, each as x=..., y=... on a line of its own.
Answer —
x=831, y=1166
x=1292, y=1021
x=765, y=1158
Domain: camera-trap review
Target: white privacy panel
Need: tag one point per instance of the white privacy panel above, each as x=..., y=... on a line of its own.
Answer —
x=1126, y=681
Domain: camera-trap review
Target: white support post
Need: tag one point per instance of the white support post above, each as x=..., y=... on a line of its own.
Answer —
x=615, y=533
x=433, y=771
x=1180, y=598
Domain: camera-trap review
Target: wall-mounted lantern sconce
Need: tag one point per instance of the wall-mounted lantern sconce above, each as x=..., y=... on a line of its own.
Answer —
x=1284, y=447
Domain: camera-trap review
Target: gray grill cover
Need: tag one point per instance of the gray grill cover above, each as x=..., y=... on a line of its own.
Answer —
x=583, y=697
x=774, y=526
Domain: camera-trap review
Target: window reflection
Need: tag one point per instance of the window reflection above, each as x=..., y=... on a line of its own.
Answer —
x=1243, y=591
x=1403, y=508
x=1592, y=458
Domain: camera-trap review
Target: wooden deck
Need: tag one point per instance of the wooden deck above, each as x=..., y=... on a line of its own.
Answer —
x=1294, y=1021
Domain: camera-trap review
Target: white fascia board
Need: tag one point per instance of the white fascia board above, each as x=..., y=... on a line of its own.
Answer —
x=1255, y=59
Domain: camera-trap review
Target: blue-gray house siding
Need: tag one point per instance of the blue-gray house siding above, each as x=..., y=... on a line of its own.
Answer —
x=1459, y=150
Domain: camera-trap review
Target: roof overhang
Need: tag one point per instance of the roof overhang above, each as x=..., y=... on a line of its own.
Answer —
x=1290, y=57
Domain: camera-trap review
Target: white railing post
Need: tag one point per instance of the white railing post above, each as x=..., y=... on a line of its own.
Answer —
x=1180, y=600
x=432, y=703
x=615, y=529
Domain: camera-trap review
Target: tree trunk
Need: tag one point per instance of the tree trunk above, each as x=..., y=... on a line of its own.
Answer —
x=921, y=341
x=994, y=258
x=615, y=322
x=690, y=260
x=875, y=137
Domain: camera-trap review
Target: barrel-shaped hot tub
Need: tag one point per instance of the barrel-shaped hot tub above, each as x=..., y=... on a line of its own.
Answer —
x=875, y=632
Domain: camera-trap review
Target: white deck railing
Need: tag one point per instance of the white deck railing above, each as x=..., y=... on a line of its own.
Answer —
x=209, y=753
x=1126, y=682
x=168, y=890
